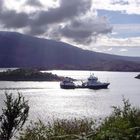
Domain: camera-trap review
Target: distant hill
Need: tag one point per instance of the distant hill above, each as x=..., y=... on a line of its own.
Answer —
x=28, y=75
x=18, y=50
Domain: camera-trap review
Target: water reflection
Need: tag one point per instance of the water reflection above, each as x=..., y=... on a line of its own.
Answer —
x=47, y=100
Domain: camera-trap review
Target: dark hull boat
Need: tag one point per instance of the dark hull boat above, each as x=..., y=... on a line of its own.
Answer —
x=100, y=86
x=67, y=83
x=67, y=86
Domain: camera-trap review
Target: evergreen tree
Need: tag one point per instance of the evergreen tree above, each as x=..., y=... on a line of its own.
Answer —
x=14, y=115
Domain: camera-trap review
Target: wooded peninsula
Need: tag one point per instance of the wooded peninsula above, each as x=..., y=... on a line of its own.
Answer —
x=28, y=75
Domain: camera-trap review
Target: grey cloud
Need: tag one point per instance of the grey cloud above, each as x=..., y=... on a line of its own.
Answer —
x=67, y=10
x=36, y=30
x=12, y=19
x=78, y=35
x=47, y=22
x=1, y=5
x=82, y=31
x=34, y=3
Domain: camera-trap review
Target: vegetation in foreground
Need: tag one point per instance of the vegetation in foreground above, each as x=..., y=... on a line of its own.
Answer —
x=122, y=124
x=14, y=115
x=28, y=75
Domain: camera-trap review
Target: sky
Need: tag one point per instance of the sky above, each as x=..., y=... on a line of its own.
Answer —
x=108, y=26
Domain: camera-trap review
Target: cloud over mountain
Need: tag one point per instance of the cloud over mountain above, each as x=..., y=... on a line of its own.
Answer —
x=12, y=19
x=84, y=30
x=84, y=23
x=72, y=19
x=67, y=10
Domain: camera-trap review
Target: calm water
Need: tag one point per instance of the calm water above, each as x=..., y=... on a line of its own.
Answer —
x=48, y=101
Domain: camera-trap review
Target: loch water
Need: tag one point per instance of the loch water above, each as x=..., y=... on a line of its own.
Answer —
x=48, y=101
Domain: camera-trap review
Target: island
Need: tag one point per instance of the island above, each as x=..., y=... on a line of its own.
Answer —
x=28, y=75
x=138, y=76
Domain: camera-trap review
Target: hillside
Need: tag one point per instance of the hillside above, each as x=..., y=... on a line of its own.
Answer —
x=18, y=50
x=28, y=75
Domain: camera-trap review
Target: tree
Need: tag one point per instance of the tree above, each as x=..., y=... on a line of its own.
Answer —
x=14, y=115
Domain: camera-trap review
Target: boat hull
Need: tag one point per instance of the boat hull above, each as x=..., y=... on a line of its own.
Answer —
x=67, y=86
x=103, y=86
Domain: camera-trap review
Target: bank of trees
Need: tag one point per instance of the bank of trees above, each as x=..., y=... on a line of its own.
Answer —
x=28, y=75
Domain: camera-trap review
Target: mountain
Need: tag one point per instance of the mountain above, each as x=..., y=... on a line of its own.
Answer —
x=19, y=50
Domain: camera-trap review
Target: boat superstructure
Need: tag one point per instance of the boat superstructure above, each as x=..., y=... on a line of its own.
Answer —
x=67, y=83
x=93, y=83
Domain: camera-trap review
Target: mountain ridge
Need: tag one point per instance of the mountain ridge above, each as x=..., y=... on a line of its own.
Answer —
x=19, y=50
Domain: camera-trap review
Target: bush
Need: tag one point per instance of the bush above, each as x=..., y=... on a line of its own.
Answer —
x=13, y=117
x=58, y=130
x=123, y=124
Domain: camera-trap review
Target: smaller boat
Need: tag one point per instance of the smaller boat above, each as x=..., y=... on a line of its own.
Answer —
x=93, y=83
x=67, y=83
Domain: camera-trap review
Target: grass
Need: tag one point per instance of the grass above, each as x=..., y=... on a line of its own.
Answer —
x=122, y=124
x=59, y=129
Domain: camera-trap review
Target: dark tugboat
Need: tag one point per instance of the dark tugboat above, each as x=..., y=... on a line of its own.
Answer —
x=67, y=83
x=93, y=83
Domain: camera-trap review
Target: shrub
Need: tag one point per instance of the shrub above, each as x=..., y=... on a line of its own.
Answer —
x=58, y=130
x=122, y=124
x=13, y=117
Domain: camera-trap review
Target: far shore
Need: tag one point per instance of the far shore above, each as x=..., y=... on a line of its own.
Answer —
x=28, y=75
